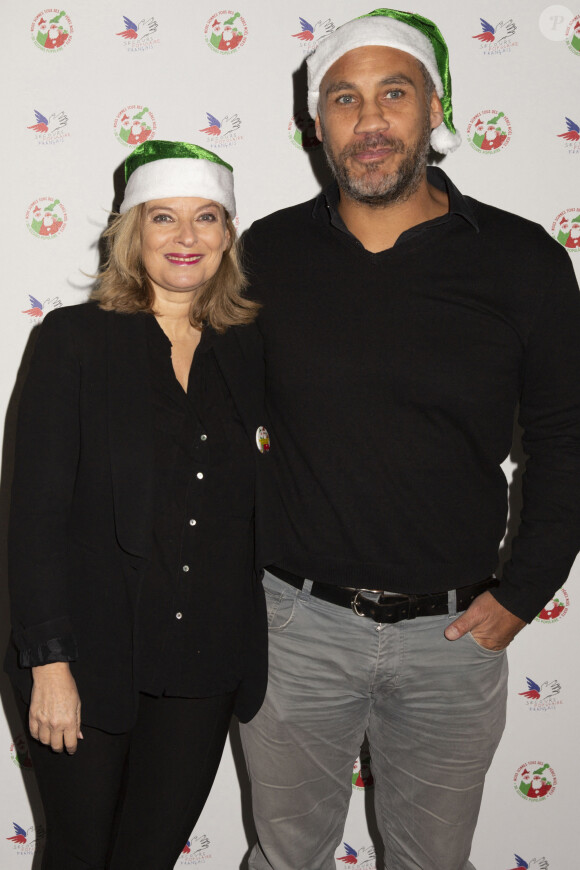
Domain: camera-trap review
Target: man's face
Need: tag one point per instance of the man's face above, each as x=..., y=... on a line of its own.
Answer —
x=375, y=123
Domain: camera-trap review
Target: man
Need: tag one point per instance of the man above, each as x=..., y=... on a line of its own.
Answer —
x=394, y=367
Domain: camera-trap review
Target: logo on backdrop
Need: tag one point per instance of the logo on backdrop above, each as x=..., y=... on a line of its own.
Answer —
x=38, y=309
x=141, y=36
x=51, y=30
x=195, y=851
x=534, y=864
x=489, y=131
x=535, y=781
x=134, y=124
x=51, y=130
x=362, y=776
x=224, y=133
x=572, y=36
x=557, y=607
x=19, y=752
x=497, y=38
x=566, y=230
x=364, y=858
x=226, y=32
x=571, y=136
x=24, y=840
x=301, y=131
x=46, y=217
x=542, y=696
x=311, y=33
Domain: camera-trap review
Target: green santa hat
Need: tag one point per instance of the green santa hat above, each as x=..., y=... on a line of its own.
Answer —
x=157, y=169
x=404, y=31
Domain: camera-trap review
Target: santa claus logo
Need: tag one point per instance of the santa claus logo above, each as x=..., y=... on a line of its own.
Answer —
x=46, y=217
x=535, y=781
x=226, y=31
x=51, y=30
x=301, y=131
x=222, y=133
x=556, y=608
x=134, y=124
x=497, y=38
x=489, y=132
x=362, y=776
x=566, y=229
x=19, y=753
x=572, y=36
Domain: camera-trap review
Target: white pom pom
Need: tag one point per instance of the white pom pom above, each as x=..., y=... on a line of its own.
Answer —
x=443, y=140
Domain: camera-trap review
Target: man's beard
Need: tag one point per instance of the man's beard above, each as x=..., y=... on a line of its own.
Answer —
x=373, y=187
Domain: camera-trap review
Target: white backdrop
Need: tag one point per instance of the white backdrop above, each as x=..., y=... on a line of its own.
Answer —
x=81, y=86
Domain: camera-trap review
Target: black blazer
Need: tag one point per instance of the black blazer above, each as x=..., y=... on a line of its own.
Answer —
x=82, y=512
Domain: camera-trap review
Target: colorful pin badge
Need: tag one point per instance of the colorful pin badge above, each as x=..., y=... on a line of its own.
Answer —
x=262, y=439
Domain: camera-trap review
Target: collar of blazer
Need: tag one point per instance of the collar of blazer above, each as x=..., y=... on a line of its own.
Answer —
x=130, y=431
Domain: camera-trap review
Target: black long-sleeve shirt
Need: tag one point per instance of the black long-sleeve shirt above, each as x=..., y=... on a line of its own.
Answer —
x=392, y=382
x=191, y=638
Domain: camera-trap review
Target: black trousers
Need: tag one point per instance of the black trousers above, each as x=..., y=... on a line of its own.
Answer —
x=130, y=801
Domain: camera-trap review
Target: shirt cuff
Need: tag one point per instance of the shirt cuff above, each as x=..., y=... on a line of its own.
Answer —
x=57, y=649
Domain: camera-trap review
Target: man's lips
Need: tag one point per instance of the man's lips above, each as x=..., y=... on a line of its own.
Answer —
x=183, y=259
x=371, y=154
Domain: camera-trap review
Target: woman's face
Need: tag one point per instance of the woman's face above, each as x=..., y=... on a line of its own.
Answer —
x=183, y=240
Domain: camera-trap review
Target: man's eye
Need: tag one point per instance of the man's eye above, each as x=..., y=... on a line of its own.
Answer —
x=345, y=99
x=396, y=94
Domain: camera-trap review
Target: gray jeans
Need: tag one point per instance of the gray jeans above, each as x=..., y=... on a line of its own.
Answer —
x=433, y=711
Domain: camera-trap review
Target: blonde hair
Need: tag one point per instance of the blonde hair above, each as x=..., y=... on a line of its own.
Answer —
x=123, y=284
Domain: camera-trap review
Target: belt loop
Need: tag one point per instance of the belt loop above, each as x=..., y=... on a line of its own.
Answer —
x=306, y=587
x=452, y=603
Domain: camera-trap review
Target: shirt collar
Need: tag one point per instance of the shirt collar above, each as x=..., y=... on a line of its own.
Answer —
x=327, y=201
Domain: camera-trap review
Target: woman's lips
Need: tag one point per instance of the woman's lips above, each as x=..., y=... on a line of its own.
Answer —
x=183, y=259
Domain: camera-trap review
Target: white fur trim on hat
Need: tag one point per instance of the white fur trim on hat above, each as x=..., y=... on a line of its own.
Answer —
x=378, y=30
x=179, y=176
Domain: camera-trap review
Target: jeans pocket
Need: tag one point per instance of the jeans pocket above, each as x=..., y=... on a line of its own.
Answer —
x=491, y=653
x=279, y=608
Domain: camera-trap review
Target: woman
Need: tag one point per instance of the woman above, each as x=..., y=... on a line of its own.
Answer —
x=141, y=450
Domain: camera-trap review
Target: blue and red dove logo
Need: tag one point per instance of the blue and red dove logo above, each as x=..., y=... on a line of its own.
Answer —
x=573, y=132
x=534, y=864
x=20, y=835
x=542, y=692
x=37, y=309
x=138, y=31
x=311, y=33
x=502, y=30
x=54, y=122
x=221, y=128
x=363, y=858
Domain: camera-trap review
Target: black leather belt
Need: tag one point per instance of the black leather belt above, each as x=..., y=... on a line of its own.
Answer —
x=390, y=607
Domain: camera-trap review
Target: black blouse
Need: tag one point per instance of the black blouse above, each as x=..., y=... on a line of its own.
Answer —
x=191, y=622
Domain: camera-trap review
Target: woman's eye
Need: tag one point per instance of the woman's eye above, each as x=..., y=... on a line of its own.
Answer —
x=162, y=218
x=207, y=216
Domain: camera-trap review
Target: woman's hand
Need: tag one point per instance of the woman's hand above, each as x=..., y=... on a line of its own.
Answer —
x=55, y=707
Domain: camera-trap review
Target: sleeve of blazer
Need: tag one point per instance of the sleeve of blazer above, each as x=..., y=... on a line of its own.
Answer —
x=46, y=457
